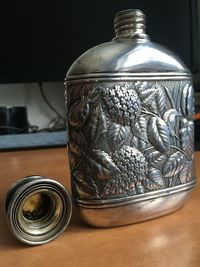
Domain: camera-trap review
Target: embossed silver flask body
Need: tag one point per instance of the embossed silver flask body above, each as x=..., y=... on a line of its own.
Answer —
x=130, y=107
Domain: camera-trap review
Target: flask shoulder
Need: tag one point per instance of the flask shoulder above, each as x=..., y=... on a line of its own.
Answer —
x=127, y=56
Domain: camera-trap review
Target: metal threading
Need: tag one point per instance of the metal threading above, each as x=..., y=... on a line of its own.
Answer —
x=38, y=210
x=130, y=23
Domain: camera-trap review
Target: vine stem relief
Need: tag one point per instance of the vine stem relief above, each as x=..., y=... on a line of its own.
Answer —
x=174, y=147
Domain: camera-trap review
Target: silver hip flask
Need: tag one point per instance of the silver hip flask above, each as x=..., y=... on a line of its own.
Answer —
x=130, y=106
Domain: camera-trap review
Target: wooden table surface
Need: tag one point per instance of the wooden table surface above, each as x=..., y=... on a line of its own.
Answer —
x=171, y=241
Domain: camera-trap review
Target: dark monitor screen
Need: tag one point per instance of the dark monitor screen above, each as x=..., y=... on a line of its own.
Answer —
x=40, y=39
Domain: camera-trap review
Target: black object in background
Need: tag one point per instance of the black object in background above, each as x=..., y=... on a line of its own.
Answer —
x=41, y=39
x=13, y=120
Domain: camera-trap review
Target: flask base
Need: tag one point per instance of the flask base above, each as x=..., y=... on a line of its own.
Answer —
x=138, y=209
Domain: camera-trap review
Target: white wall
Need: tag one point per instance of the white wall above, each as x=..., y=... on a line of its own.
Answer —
x=28, y=94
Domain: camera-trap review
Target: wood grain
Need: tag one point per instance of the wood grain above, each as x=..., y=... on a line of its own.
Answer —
x=170, y=241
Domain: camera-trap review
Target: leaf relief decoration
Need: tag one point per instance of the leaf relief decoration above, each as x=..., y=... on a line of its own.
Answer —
x=158, y=134
x=78, y=139
x=78, y=113
x=187, y=101
x=101, y=164
x=77, y=144
x=74, y=148
x=85, y=188
x=139, y=131
x=154, y=179
x=170, y=116
x=174, y=164
x=97, y=124
x=176, y=92
x=139, y=143
x=186, y=173
x=73, y=160
x=187, y=136
x=169, y=97
x=93, y=95
x=160, y=99
x=147, y=96
x=149, y=117
x=155, y=158
x=117, y=135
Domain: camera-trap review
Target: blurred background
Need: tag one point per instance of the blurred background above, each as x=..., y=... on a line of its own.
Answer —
x=41, y=39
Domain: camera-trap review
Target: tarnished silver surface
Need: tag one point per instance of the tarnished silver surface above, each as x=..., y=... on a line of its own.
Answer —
x=38, y=209
x=130, y=107
x=137, y=210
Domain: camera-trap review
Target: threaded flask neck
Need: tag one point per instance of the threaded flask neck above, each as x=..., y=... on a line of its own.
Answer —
x=130, y=23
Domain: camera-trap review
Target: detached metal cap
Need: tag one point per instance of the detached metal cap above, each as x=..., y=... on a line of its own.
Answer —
x=38, y=209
